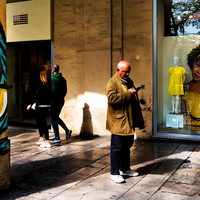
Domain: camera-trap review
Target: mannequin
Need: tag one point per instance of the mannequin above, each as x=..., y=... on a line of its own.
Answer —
x=175, y=88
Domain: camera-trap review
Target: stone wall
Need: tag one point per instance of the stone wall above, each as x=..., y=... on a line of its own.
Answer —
x=90, y=38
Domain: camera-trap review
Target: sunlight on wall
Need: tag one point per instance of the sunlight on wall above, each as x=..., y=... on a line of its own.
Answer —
x=93, y=100
x=86, y=114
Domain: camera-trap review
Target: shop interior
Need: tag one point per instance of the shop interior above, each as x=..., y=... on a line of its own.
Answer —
x=24, y=62
x=178, y=33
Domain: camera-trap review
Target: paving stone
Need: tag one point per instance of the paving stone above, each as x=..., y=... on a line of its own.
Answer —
x=170, y=196
x=181, y=188
x=143, y=168
x=146, y=187
x=16, y=197
x=186, y=171
x=41, y=157
x=134, y=196
x=93, y=141
x=75, y=193
x=99, y=165
x=194, y=160
x=105, y=159
x=183, y=178
x=92, y=154
x=73, y=147
x=57, y=187
x=190, y=165
x=69, y=165
x=102, y=181
x=105, y=144
x=167, y=167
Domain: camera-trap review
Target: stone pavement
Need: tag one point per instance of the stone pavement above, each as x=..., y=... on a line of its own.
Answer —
x=78, y=168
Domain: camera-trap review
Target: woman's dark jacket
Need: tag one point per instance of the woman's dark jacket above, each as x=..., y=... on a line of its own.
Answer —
x=42, y=96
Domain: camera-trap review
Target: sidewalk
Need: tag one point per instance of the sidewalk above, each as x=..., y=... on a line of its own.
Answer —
x=79, y=169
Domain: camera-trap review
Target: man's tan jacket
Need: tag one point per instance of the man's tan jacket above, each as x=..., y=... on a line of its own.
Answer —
x=123, y=112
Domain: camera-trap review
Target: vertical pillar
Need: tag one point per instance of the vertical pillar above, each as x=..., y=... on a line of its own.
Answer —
x=4, y=141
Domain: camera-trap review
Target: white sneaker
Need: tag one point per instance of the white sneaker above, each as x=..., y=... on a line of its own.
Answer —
x=117, y=178
x=129, y=172
x=45, y=144
x=40, y=141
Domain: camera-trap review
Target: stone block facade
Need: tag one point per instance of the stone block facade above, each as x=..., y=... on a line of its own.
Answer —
x=90, y=38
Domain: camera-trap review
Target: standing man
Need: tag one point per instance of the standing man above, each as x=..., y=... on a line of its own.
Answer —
x=122, y=118
x=59, y=90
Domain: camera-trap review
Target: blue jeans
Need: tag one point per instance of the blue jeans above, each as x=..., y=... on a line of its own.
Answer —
x=120, y=153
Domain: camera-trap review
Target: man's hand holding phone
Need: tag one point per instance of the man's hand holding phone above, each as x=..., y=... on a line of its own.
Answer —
x=138, y=88
x=133, y=91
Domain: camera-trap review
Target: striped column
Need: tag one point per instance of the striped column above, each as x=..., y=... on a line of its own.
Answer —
x=4, y=141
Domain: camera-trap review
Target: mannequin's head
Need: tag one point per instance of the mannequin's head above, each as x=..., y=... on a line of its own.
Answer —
x=175, y=60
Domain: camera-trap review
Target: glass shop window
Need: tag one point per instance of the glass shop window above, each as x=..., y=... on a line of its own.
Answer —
x=178, y=67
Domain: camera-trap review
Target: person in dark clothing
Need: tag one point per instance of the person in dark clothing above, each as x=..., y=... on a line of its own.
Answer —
x=58, y=90
x=43, y=99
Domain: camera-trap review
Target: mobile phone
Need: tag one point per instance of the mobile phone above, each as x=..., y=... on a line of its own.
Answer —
x=138, y=88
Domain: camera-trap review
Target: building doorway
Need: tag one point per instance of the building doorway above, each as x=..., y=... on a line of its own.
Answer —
x=24, y=62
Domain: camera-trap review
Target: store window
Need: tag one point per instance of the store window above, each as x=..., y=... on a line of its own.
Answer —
x=178, y=67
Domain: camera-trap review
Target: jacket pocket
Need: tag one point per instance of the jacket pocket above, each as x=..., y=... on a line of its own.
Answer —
x=120, y=123
x=119, y=116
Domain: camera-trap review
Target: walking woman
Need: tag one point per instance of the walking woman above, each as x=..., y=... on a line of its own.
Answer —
x=42, y=99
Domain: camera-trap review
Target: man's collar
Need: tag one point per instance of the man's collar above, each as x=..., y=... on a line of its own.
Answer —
x=121, y=79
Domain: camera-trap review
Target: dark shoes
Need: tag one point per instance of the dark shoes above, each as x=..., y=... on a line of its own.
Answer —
x=68, y=134
x=55, y=140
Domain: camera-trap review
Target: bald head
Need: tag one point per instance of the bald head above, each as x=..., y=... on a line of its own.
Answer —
x=123, y=69
x=122, y=63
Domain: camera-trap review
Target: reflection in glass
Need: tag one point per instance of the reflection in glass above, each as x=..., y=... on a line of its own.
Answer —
x=182, y=17
x=178, y=113
x=192, y=96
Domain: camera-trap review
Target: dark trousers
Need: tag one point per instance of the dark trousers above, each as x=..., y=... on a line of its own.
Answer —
x=41, y=121
x=120, y=153
x=55, y=110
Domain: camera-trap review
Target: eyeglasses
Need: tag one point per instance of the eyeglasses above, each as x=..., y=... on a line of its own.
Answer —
x=126, y=72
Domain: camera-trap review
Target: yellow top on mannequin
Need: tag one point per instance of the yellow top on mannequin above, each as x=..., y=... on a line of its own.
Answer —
x=176, y=79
